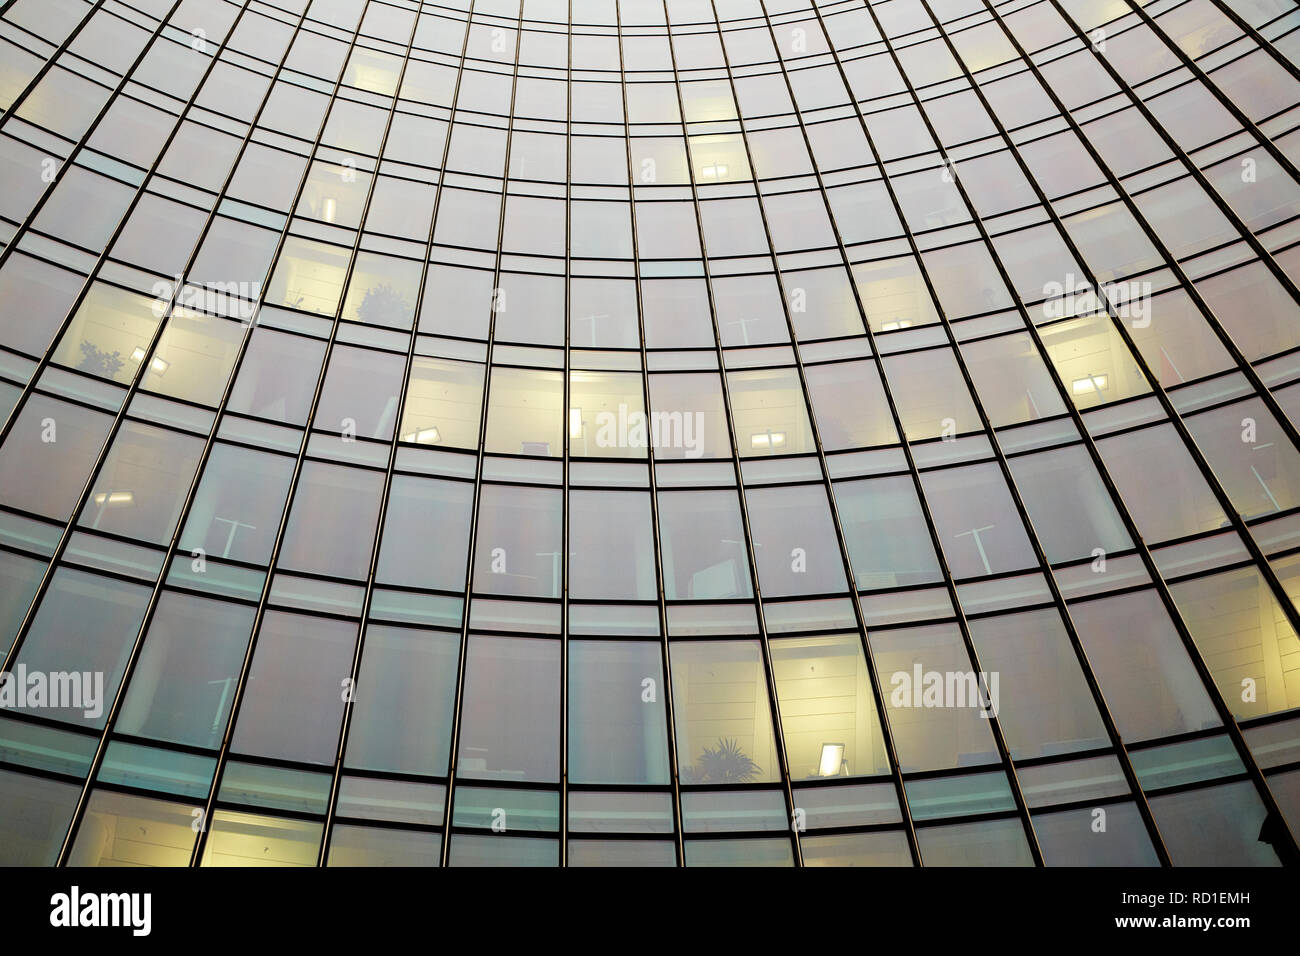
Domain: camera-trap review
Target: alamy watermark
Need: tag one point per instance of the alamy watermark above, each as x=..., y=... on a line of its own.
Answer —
x=635, y=429
x=921, y=688
x=74, y=909
x=236, y=300
x=1075, y=296
x=22, y=689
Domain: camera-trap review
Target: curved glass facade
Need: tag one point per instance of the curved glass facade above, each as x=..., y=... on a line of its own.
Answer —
x=702, y=432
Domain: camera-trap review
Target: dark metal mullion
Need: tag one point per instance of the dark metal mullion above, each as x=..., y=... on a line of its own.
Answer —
x=1003, y=461
x=768, y=670
x=565, y=437
x=127, y=392
x=211, y=216
x=331, y=805
x=1085, y=666
x=25, y=226
x=1244, y=365
x=1258, y=559
x=1244, y=232
x=1044, y=568
x=463, y=659
x=158, y=34
x=1174, y=419
x=97, y=759
x=679, y=847
x=1248, y=33
x=864, y=640
x=1248, y=126
x=237, y=700
x=1267, y=46
x=53, y=58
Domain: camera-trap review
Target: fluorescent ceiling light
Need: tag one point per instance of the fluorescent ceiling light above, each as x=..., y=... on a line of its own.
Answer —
x=575, y=423
x=425, y=436
x=157, y=365
x=114, y=497
x=767, y=440
x=832, y=760
x=1082, y=386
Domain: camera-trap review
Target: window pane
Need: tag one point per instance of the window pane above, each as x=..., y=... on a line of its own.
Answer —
x=692, y=420
x=108, y=334
x=1012, y=380
x=977, y=521
x=607, y=415
x=1071, y=837
x=889, y=543
x=370, y=846
x=402, y=712
x=332, y=522
x=856, y=849
x=849, y=402
x=277, y=378
x=794, y=541
x=184, y=681
x=524, y=412
x=1160, y=484
x=1071, y=511
x=931, y=396
x=235, y=838
x=770, y=413
x=1243, y=634
x=236, y=510
x=991, y=843
x=121, y=829
x=48, y=454
x=1216, y=826
x=703, y=545
x=519, y=541
x=85, y=626
x=938, y=734
x=382, y=291
x=194, y=357
x=617, y=731
x=142, y=486
x=1149, y=682
x=293, y=701
x=34, y=817
x=426, y=533
x=511, y=719
x=1044, y=704
x=721, y=714
x=828, y=714
x=606, y=523
x=359, y=397
x=444, y=400
x=1092, y=361
x=309, y=276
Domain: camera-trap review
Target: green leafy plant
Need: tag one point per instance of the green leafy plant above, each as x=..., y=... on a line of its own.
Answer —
x=106, y=364
x=383, y=305
x=725, y=763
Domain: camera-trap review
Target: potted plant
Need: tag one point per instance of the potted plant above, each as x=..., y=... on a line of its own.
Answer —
x=105, y=364
x=384, y=305
x=724, y=763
